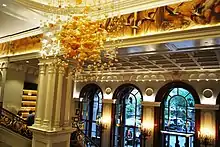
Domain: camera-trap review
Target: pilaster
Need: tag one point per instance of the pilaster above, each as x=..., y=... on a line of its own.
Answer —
x=69, y=89
x=148, y=120
x=50, y=95
x=41, y=95
x=57, y=119
x=106, y=117
x=3, y=74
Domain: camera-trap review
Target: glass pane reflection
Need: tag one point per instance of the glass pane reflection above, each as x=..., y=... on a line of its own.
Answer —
x=179, y=116
x=128, y=114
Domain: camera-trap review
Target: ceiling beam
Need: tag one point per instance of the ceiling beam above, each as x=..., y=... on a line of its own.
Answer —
x=136, y=65
x=194, y=60
x=173, y=62
x=145, y=58
x=218, y=56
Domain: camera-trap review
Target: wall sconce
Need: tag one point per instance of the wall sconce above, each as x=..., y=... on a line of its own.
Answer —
x=206, y=137
x=103, y=122
x=146, y=131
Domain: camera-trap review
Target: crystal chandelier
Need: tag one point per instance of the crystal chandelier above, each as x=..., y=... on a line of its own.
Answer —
x=78, y=36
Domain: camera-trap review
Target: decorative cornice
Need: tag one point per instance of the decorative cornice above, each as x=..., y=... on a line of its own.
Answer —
x=25, y=68
x=21, y=35
x=169, y=36
x=151, y=104
x=205, y=75
x=197, y=106
x=25, y=56
x=206, y=107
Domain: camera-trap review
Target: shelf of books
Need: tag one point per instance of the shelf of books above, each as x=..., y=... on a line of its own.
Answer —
x=29, y=99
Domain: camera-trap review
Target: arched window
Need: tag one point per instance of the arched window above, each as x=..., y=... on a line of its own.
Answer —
x=91, y=108
x=179, y=118
x=127, y=113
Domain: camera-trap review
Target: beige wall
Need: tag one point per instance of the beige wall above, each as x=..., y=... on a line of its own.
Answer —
x=13, y=139
x=31, y=78
x=13, y=90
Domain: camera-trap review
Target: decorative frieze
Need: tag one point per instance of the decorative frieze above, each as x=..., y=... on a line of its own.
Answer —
x=149, y=76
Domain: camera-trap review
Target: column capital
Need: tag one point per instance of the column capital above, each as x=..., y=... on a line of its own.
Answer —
x=61, y=70
x=4, y=64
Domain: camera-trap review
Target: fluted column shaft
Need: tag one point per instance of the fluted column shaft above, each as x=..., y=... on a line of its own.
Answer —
x=41, y=95
x=57, y=118
x=69, y=89
x=2, y=86
x=51, y=72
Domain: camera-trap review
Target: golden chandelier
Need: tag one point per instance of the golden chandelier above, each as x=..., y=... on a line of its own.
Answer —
x=78, y=37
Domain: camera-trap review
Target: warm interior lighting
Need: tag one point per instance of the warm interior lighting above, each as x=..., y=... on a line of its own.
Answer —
x=147, y=125
x=147, y=129
x=4, y=5
x=206, y=136
x=206, y=131
x=104, y=121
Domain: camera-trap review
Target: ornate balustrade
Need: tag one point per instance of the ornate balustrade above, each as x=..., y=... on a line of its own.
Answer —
x=14, y=123
x=80, y=139
x=19, y=125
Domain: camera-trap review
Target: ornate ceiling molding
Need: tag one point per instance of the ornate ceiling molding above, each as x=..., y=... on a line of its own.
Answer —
x=170, y=36
x=20, y=67
x=25, y=34
x=150, y=76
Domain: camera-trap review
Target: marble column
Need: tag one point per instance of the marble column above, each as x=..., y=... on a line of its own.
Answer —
x=69, y=90
x=41, y=95
x=56, y=89
x=51, y=72
x=3, y=74
x=59, y=93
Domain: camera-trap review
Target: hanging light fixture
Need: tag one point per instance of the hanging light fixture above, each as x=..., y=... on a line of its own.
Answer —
x=79, y=36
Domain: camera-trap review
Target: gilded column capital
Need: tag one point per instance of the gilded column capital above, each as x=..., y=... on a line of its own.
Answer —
x=42, y=68
x=4, y=64
x=51, y=68
x=61, y=70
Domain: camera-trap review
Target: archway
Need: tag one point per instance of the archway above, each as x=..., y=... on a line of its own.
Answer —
x=177, y=121
x=91, y=107
x=127, y=116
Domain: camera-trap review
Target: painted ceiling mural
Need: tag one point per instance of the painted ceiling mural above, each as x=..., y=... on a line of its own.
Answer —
x=181, y=16
x=185, y=15
x=23, y=45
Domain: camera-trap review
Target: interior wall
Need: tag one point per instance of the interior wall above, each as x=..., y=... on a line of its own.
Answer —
x=31, y=78
x=13, y=90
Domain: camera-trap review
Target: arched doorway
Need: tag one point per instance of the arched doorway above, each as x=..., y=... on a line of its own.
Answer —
x=127, y=117
x=91, y=107
x=177, y=120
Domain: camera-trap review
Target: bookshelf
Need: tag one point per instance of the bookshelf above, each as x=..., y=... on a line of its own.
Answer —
x=29, y=99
